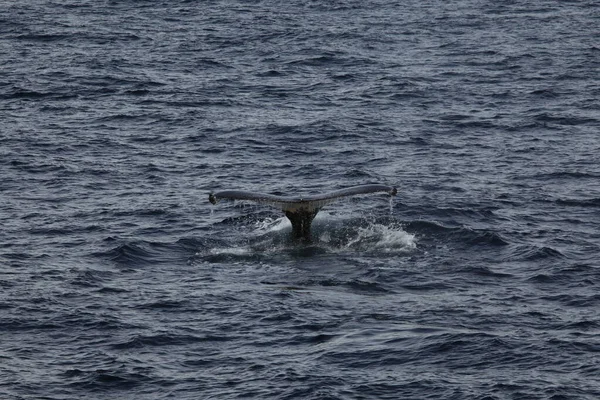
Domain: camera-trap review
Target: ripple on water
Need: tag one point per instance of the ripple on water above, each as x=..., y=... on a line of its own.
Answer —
x=478, y=280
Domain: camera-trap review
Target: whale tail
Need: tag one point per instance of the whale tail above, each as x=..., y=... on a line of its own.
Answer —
x=300, y=210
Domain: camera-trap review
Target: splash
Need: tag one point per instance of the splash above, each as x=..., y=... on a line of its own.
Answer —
x=335, y=235
x=387, y=238
x=272, y=225
x=234, y=251
x=270, y=237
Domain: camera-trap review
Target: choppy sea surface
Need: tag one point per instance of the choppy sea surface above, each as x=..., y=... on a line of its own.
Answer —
x=480, y=280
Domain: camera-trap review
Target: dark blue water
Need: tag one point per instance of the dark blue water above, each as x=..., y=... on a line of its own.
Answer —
x=119, y=279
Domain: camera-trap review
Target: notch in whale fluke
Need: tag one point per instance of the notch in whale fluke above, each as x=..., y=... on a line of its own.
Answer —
x=300, y=210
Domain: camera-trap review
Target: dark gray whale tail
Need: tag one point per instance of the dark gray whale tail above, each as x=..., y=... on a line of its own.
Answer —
x=300, y=210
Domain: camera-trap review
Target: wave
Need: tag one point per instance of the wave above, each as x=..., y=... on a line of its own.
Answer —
x=565, y=175
x=354, y=285
x=570, y=300
x=435, y=231
x=571, y=120
x=579, y=276
x=168, y=339
x=121, y=378
x=595, y=202
x=484, y=272
x=534, y=253
x=139, y=253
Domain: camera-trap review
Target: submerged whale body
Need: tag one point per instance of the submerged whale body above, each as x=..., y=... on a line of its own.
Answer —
x=300, y=210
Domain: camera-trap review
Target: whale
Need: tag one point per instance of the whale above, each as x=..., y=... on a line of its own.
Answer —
x=301, y=211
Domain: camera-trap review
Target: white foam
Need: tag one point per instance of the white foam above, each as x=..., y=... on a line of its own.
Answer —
x=383, y=237
x=235, y=251
x=272, y=225
x=270, y=236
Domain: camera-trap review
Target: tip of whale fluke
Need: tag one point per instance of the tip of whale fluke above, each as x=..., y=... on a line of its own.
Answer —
x=301, y=210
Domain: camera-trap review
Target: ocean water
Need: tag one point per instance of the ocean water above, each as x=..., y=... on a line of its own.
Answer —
x=480, y=280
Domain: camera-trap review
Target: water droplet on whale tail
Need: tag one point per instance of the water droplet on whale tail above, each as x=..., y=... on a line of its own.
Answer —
x=301, y=210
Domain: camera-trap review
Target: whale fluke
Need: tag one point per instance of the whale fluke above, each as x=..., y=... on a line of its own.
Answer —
x=300, y=210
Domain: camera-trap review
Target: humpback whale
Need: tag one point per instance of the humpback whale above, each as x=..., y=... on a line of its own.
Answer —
x=300, y=210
